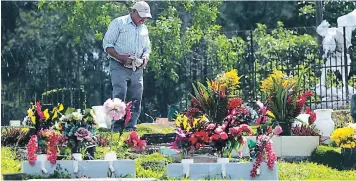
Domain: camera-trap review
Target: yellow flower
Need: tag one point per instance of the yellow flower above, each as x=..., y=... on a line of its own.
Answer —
x=61, y=107
x=342, y=137
x=46, y=114
x=270, y=114
x=267, y=84
x=31, y=115
x=230, y=79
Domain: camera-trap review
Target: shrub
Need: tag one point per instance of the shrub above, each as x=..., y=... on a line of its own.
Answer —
x=312, y=171
x=327, y=156
x=14, y=136
x=341, y=118
x=152, y=166
x=304, y=130
x=9, y=164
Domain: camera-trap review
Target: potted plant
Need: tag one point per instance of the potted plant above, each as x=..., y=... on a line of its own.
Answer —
x=346, y=139
x=285, y=99
x=190, y=135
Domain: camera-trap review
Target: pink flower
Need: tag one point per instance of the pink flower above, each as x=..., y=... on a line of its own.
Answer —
x=278, y=130
x=115, y=109
x=215, y=137
x=223, y=136
x=128, y=111
x=259, y=104
x=239, y=154
x=211, y=126
x=218, y=130
x=258, y=121
x=39, y=111
x=246, y=128
x=235, y=131
x=32, y=147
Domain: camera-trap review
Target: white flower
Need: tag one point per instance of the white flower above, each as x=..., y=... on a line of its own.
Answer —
x=77, y=116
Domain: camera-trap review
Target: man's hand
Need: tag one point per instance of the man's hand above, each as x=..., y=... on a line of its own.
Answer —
x=125, y=59
x=144, y=64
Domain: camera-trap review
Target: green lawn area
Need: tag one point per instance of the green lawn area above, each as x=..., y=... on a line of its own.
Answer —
x=286, y=171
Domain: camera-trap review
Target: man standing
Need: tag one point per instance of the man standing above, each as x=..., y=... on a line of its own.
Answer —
x=126, y=40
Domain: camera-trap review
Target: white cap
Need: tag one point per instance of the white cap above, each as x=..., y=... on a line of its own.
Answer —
x=143, y=9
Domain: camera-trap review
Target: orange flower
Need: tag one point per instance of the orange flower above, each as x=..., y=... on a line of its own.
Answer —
x=234, y=103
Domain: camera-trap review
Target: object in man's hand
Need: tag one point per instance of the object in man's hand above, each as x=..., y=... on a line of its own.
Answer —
x=136, y=62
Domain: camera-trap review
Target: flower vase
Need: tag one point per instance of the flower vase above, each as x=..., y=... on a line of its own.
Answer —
x=76, y=157
x=111, y=156
x=42, y=158
x=348, y=158
x=186, y=163
x=101, y=118
x=304, y=118
x=223, y=161
x=323, y=122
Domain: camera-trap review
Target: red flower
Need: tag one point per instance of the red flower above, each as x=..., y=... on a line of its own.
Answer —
x=215, y=137
x=39, y=111
x=199, y=138
x=32, y=147
x=135, y=142
x=223, y=136
x=128, y=111
x=192, y=112
x=234, y=103
x=312, y=114
x=195, y=102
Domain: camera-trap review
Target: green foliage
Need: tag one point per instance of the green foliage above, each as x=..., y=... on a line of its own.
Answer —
x=151, y=166
x=341, y=118
x=328, y=156
x=312, y=171
x=14, y=136
x=9, y=164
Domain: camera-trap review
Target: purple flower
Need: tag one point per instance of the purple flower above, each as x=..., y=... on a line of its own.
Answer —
x=83, y=134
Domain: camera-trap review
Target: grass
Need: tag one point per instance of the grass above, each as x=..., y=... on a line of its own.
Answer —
x=312, y=171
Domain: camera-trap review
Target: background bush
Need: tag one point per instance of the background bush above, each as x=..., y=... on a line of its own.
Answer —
x=326, y=155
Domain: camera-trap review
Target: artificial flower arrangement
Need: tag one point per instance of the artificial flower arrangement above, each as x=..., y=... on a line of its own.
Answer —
x=118, y=110
x=78, y=128
x=215, y=119
x=285, y=99
x=134, y=142
x=261, y=149
x=345, y=137
x=190, y=133
x=41, y=119
x=44, y=140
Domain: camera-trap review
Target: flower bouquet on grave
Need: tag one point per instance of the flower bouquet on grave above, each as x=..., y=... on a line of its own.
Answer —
x=117, y=110
x=285, y=99
x=190, y=134
x=79, y=131
x=261, y=149
x=45, y=145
